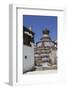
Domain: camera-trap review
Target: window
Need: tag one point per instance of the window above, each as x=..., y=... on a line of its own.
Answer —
x=25, y=57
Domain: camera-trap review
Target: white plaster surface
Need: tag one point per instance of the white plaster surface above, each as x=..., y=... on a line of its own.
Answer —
x=29, y=62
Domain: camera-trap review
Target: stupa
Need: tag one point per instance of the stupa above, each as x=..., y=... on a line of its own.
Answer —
x=45, y=50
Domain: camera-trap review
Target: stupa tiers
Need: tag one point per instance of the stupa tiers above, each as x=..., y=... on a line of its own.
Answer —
x=45, y=51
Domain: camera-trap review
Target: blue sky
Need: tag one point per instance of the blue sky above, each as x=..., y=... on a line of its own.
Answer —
x=39, y=23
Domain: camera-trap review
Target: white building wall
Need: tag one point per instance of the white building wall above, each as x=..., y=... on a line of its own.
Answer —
x=28, y=63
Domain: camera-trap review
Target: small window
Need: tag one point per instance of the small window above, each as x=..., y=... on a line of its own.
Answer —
x=25, y=57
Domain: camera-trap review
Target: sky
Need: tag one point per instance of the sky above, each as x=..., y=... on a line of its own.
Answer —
x=39, y=23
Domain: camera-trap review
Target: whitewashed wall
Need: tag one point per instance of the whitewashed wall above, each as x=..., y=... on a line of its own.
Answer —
x=28, y=63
